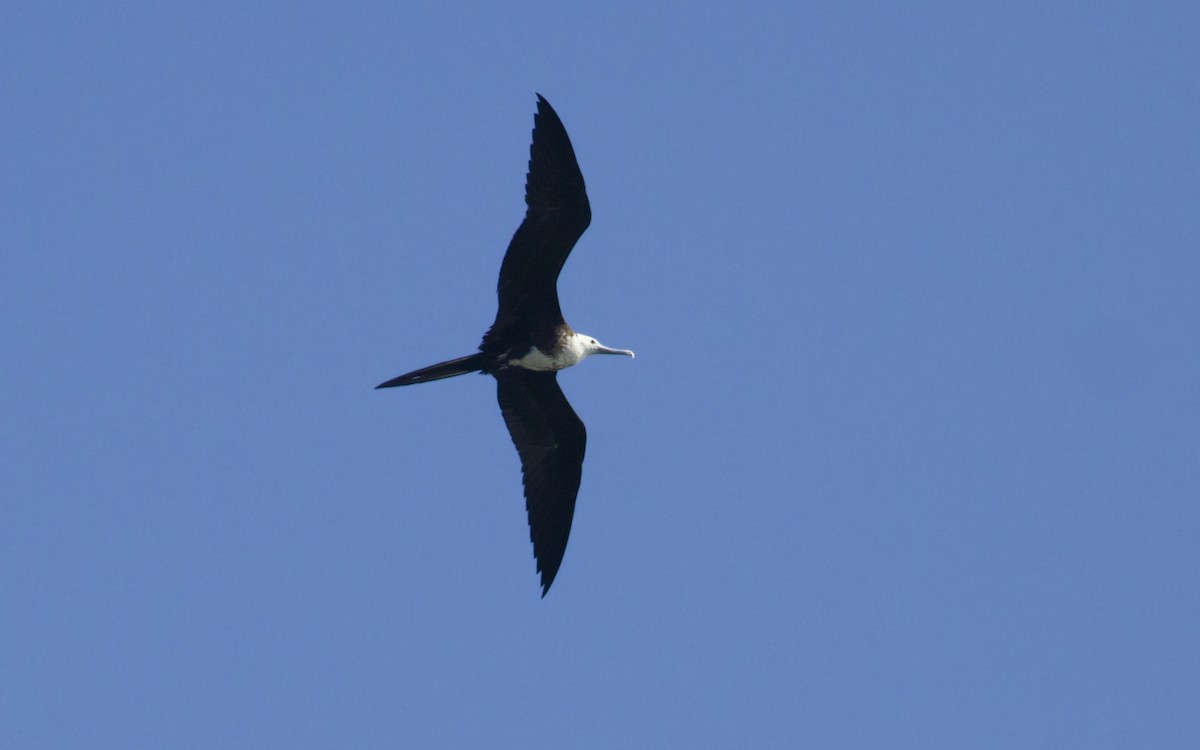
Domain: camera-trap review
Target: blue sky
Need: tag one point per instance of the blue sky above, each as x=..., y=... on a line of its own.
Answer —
x=909, y=455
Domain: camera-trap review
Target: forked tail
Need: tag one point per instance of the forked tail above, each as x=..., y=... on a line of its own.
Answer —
x=460, y=366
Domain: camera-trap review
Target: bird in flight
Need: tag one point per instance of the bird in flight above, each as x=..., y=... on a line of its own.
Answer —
x=529, y=342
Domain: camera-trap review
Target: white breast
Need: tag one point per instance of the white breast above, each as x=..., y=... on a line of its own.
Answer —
x=536, y=359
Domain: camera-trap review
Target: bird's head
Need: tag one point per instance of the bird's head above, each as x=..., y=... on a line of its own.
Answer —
x=587, y=346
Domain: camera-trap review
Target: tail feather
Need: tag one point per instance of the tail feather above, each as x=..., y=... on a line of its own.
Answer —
x=460, y=366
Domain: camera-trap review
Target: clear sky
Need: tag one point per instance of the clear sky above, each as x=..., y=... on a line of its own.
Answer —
x=909, y=456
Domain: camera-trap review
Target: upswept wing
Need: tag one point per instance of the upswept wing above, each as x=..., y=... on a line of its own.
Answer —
x=558, y=213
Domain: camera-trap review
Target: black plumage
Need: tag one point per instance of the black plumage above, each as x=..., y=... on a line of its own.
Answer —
x=556, y=216
x=549, y=437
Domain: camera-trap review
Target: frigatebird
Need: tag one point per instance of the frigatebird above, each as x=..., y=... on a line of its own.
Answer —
x=529, y=342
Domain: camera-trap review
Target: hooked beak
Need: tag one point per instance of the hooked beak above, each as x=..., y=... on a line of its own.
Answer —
x=606, y=350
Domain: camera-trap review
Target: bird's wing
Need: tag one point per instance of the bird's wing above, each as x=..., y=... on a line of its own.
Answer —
x=558, y=213
x=550, y=439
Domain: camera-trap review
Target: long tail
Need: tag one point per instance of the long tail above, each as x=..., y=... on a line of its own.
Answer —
x=460, y=366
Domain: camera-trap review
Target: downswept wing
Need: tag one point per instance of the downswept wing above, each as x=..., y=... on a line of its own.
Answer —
x=557, y=214
x=550, y=439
